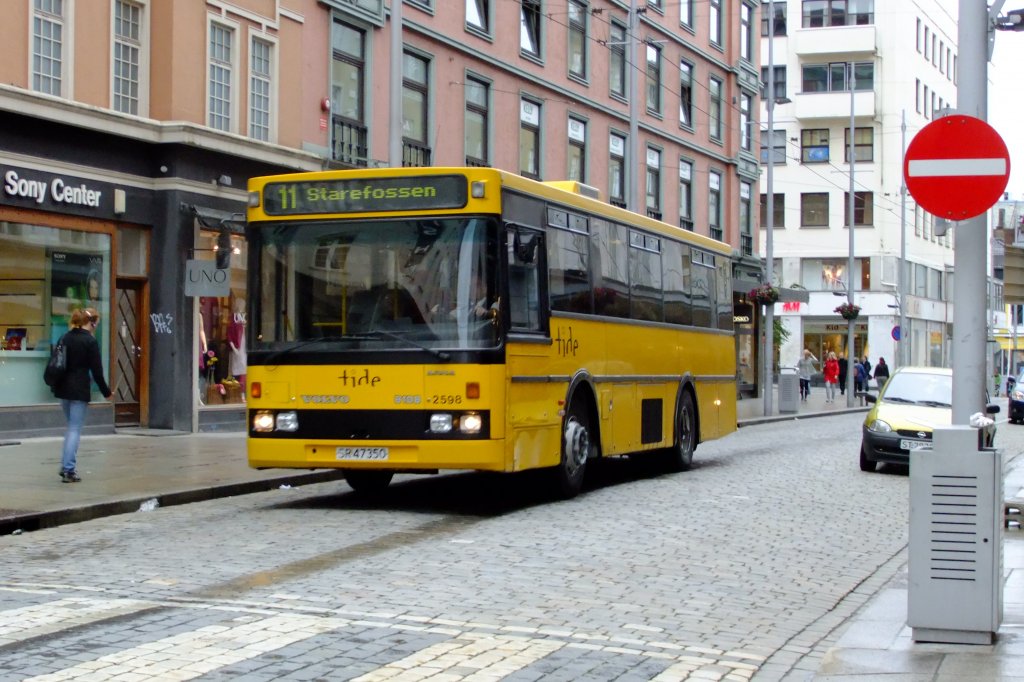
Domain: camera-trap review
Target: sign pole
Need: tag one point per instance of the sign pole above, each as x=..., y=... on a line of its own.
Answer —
x=970, y=293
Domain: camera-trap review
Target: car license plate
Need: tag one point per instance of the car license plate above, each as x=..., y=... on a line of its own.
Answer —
x=361, y=454
x=914, y=444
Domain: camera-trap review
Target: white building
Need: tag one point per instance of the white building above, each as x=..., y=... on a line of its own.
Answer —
x=904, y=59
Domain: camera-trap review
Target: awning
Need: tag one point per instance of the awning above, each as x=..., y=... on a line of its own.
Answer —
x=1007, y=343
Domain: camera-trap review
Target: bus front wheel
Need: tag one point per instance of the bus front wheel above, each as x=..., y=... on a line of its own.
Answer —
x=680, y=455
x=575, y=451
x=368, y=481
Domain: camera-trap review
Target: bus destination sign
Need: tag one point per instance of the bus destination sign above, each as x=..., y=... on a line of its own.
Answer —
x=369, y=195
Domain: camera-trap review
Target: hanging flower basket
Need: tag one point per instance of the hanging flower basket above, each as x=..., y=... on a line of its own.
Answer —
x=849, y=311
x=765, y=294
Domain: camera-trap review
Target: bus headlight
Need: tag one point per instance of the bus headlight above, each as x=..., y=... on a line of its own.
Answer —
x=288, y=421
x=263, y=421
x=440, y=423
x=471, y=422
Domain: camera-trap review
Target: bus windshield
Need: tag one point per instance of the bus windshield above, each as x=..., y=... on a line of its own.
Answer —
x=377, y=284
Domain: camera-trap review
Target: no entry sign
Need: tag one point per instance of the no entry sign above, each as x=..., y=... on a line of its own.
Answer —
x=956, y=167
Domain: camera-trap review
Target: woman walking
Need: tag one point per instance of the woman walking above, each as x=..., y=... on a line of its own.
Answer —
x=83, y=359
x=881, y=373
x=805, y=369
x=831, y=372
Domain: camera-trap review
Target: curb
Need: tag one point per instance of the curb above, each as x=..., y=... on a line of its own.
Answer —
x=755, y=421
x=30, y=521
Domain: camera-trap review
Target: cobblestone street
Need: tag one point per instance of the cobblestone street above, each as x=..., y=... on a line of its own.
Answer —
x=745, y=567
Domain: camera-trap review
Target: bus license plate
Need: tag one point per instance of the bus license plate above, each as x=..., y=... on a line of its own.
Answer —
x=914, y=444
x=361, y=454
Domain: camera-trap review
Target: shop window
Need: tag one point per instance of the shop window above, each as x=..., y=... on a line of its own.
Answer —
x=45, y=275
x=221, y=343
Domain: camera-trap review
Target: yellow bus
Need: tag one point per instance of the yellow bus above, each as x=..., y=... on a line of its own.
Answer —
x=427, y=319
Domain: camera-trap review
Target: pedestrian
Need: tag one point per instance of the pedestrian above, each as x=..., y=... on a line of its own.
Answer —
x=73, y=390
x=831, y=373
x=859, y=379
x=881, y=372
x=867, y=371
x=805, y=369
x=843, y=366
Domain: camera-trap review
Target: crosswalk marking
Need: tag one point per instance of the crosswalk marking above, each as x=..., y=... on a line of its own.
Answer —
x=477, y=657
x=188, y=655
x=18, y=625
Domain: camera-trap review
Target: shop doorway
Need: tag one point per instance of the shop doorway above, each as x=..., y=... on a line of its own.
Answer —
x=128, y=352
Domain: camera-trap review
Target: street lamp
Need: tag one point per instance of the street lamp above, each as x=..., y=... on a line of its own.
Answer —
x=850, y=274
x=769, y=317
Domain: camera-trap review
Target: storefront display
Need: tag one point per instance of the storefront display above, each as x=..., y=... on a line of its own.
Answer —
x=221, y=357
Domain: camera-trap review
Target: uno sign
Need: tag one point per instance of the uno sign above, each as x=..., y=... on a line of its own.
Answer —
x=58, y=190
x=956, y=167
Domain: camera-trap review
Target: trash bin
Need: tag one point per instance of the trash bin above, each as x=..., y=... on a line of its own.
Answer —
x=789, y=390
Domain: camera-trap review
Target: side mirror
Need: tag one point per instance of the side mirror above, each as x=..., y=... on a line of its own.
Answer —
x=991, y=409
x=223, y=250
x=870, y=397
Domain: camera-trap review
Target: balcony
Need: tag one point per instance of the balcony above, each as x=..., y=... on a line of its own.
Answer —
x=348, y=142
x=414, y=154
x=848, y=41
x=809, y=105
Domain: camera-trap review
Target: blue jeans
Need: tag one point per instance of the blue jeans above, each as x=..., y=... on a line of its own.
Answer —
x=74, y=412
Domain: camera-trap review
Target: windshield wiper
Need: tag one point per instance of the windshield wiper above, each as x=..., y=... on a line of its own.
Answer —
x=933, y=403
x=898, y=399
x=284, y=351
x=377, y=333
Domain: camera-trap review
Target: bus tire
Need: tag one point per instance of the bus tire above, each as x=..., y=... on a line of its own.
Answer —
x=576, y=447
x=680, y=456
x=368, y=480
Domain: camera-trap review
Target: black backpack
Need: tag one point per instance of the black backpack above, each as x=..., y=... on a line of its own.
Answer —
x=57, y=367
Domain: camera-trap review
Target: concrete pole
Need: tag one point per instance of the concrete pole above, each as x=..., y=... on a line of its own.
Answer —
x=969, y=294
x=633, y=71
x=851, y=356
x=769, y=270
x=395, y=88
x=904, y=279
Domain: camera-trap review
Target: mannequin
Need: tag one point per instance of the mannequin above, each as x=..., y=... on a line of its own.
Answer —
x=236, y=340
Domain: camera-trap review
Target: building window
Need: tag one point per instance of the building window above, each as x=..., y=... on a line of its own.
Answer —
x=863, y=145
x=477, y=117
x=746, y=221
x=529, y=27
x=715, y=204
x=617, y=59
x=777, y=144
x=830, y=274
x=746, y=34
x=415, y=101
x=833, y=77
x=715, y=108
x=863, y=208
x=127, y=48
x=814, y=145
x=685, y=94
x=221, y=77
x=653, y=79
x=779, y=82
x=616, y=170
x=529, y=139
x=779, y=23
x=715, y=21
x=917, y=35
x=686, y=12
x=260, y=89
x=746, y=133
x=819, y=13
x=48, y=46
x=478, y=15
x=653, y=183
x=814, y=209
x=348, y=72
x=577, y=149
x=577, y=39
x=778, y=210
x=686, y=195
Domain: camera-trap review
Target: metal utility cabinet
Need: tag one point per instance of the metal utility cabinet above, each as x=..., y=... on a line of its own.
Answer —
x=789, y=390
x=956, y=540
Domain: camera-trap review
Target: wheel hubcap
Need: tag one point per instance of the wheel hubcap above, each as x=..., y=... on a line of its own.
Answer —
x=577, y=445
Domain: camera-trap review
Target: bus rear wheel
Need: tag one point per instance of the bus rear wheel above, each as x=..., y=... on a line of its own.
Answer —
x=368, y=481
x=680, y=456
x=575, y=452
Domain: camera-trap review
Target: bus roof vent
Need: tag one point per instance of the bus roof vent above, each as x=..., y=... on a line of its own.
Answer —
x=576, y=188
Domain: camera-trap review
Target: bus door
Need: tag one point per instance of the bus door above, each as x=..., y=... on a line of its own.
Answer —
x=534, y=424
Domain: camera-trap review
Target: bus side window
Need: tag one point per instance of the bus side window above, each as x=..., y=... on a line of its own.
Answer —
x=524, y=280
